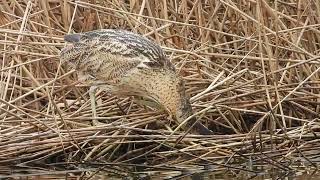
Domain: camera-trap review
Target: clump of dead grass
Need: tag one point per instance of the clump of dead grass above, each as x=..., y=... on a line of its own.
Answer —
x=251, y=67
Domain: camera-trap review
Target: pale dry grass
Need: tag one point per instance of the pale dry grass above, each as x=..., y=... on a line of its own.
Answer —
x=251, y=67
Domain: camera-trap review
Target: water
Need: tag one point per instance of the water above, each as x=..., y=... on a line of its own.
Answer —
x=306, y=174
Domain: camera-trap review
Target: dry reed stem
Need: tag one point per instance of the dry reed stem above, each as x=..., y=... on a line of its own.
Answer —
x=251, y=69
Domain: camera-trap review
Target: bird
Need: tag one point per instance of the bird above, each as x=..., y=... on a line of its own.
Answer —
x=128, y=64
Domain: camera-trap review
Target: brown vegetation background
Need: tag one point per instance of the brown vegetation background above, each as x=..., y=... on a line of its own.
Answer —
x=251, y=67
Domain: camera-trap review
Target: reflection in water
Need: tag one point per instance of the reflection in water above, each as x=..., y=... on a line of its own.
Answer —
x=95, y=174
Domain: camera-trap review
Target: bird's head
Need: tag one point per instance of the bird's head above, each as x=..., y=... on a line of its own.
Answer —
x=183, y=110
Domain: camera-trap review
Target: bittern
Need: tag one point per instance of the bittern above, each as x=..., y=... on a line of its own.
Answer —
x=127, y=64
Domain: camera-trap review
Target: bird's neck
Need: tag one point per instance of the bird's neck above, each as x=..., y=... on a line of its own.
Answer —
x=164, y=87
x=168, y=90
x=172, y=100
x=170, y=93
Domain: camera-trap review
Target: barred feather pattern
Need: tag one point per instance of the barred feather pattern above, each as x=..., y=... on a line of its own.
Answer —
x=115, y=42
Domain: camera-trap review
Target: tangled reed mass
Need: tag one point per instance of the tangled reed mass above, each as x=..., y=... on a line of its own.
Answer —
x=251, y=69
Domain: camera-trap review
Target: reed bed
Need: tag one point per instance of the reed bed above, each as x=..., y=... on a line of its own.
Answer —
x=251, y=69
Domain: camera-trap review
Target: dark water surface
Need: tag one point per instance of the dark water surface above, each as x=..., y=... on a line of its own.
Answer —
x=307, y=174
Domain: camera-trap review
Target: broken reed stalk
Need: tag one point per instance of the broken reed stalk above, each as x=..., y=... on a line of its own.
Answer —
x=251, y=69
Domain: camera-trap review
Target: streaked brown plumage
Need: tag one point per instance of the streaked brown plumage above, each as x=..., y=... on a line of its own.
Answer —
x=128, y=64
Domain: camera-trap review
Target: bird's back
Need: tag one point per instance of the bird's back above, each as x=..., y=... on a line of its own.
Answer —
x=113, y=44
x=118, y=58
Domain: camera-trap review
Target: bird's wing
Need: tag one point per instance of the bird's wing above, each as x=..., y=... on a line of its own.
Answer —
x=115, y=43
